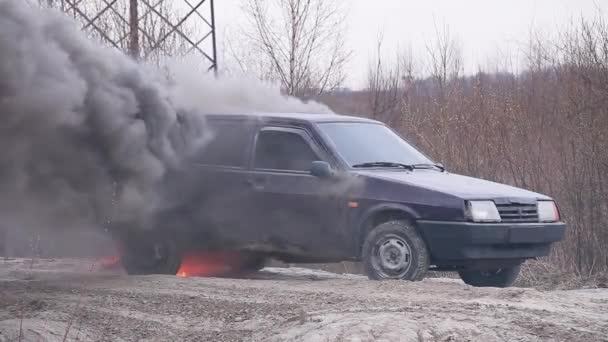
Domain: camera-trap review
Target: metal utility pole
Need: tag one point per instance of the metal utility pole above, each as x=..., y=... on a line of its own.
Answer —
x=134, y=29
x=190, y=25
x=214, y=61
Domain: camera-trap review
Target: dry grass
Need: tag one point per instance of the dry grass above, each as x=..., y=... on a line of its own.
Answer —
x=542, y=275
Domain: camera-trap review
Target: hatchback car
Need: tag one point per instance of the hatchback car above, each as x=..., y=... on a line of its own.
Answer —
x=321, y=188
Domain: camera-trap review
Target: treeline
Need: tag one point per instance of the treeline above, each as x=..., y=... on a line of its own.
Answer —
x=545, y=129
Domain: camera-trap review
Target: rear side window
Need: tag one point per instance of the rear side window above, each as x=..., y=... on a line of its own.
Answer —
x=283, y=150
x=228, y=146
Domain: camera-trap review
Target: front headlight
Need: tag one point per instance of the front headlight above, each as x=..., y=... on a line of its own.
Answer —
x=483, y=211
x=547, y=211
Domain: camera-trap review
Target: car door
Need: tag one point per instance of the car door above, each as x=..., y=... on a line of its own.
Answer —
x=223, y=202
x=296, y=212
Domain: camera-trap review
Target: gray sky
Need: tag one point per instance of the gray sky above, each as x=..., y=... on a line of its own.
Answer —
x=486, y=29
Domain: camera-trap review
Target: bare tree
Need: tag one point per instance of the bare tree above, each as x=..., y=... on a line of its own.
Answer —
x=302, y=40
x=383, y=83
x=444, y=89
x=241, y=58
x=445, y=56
x=388, y=83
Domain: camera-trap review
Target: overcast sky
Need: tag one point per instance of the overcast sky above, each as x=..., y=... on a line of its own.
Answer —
x=486, y=29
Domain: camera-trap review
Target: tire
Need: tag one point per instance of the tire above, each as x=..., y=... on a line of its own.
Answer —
x=502, y=277
x=404, y=253
x=150, y=255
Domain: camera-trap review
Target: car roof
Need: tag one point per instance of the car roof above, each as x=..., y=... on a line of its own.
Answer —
x=294, y=117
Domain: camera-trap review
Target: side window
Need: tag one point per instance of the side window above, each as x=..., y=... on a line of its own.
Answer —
x=280, y=150
x=228, y=146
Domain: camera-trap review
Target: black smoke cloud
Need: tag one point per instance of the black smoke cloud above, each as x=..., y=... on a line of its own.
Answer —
x=78, y=119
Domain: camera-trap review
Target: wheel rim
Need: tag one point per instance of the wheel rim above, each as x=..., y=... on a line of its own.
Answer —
x=392, y=257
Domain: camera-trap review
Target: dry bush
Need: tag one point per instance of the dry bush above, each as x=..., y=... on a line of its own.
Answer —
x=544, y=275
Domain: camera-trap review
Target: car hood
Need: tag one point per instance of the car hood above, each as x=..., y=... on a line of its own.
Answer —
x=453, y=184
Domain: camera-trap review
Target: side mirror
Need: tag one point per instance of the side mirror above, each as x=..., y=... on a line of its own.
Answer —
x=321, y=169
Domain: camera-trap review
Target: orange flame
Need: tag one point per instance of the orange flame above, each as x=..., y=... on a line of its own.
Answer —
x=109, y=261
x=112, y=259
x=208, y=264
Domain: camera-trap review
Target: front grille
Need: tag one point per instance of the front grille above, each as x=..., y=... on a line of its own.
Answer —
x=517, y=212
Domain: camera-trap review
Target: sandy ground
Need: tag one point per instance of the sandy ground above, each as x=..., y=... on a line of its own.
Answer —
x=57, y=300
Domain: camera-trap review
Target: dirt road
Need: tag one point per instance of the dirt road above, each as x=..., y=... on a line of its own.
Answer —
x=281, y=305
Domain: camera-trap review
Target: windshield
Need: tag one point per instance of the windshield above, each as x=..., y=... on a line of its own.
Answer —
x=360, y=143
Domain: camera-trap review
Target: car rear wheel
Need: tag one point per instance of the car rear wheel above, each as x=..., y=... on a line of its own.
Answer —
x=395, y=250
x=150, y=255
x=502, y=277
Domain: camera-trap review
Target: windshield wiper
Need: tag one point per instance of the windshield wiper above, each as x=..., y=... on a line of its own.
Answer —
x=410, y=167
x=384, y=164
x=428, y=166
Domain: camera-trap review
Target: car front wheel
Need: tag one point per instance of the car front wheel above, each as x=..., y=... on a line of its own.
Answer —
x=501, y=277
x=395, y=250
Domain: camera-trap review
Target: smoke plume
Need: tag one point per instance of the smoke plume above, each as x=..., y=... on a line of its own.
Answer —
x=78, y=119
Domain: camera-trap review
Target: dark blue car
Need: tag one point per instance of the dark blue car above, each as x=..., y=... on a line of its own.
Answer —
x=327, y=188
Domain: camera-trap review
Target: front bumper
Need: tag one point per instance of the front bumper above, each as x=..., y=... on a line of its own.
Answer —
x=476, y=241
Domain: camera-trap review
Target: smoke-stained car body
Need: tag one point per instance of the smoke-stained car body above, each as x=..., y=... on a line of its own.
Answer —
x=321, y=188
